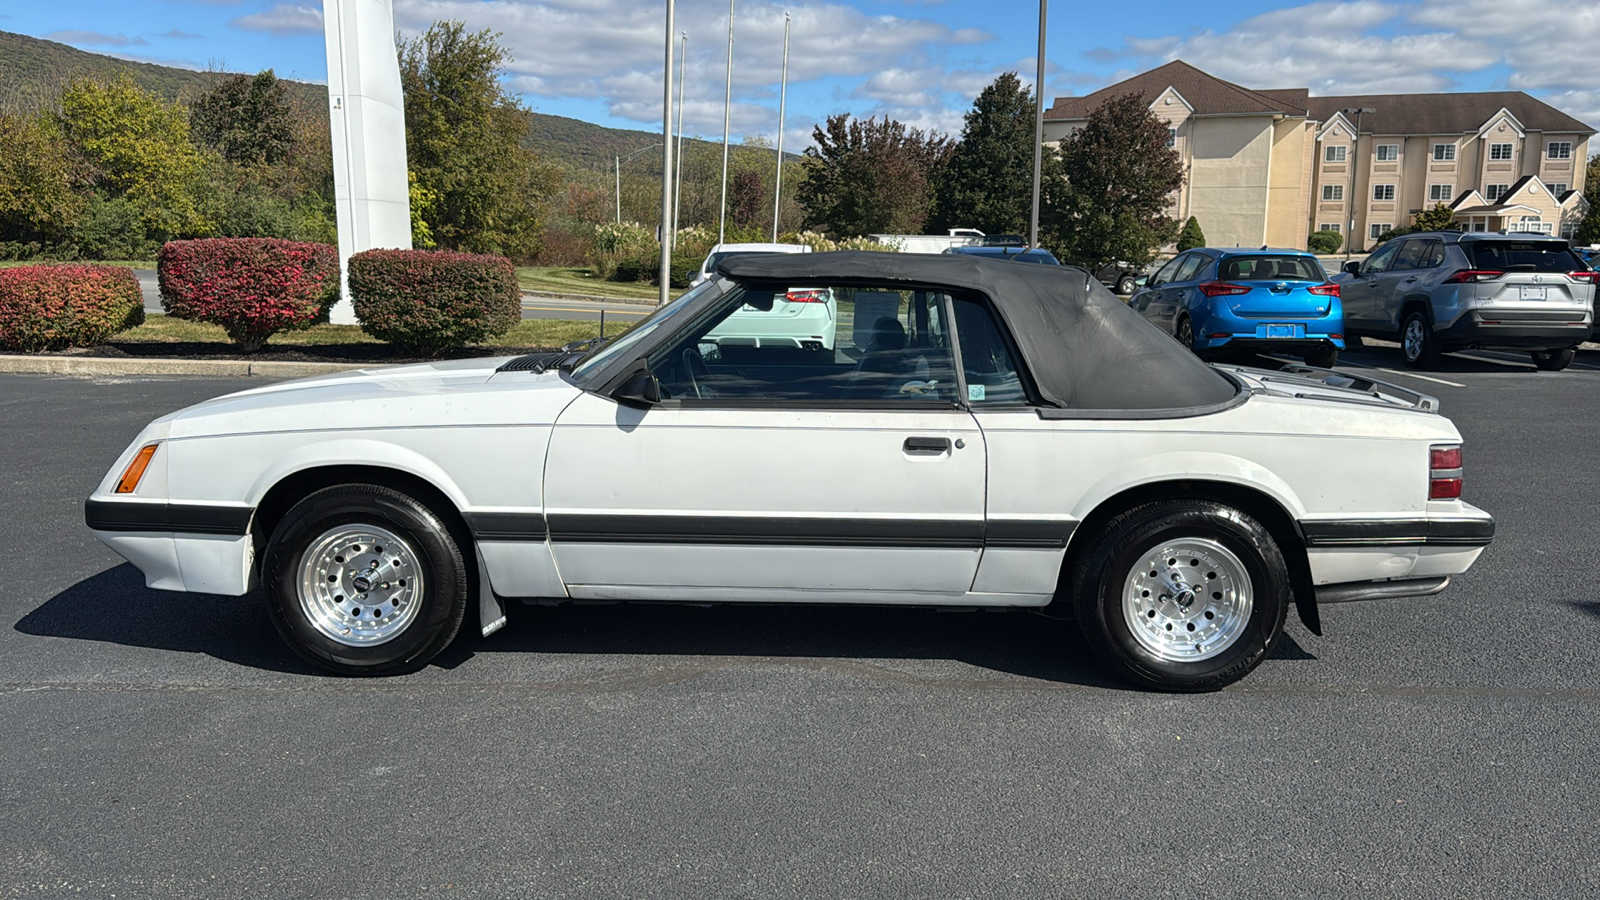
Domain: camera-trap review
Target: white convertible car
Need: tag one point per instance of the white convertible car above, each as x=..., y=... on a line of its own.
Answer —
x=981, y=434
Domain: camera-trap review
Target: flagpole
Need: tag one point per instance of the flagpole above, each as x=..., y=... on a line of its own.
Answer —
x=677, y=195
x=666, y=162
x=727, y=108
x=783, y=94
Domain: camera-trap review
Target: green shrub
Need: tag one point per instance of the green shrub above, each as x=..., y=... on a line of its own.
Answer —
x=54, y=307
x=1325, y=241
x=112, y=229
x=430, y=302
x=1191, y=236
x=252, y=287
x=615, y=242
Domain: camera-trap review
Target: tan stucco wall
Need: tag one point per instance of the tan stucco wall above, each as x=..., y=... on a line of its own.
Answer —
x=1231, y=159
x=1288, y=186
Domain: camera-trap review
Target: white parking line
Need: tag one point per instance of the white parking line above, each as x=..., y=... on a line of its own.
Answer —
x=1423, y=377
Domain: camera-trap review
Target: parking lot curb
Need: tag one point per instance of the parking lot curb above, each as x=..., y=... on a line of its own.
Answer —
x=215, y=368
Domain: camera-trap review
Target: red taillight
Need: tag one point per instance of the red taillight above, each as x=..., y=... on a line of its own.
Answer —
x=1590, y=277
x=1324, y=290
x=1444, y=472
x=1222, y=289
x=806, y=296
x=1471, y=276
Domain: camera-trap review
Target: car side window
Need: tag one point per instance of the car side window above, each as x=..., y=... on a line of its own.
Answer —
x=1191, y=267
x=1433, y=256
x=1410, y=255
x=986, y=358
x=1381, y=259
x=1164, y=274
x=813, y=344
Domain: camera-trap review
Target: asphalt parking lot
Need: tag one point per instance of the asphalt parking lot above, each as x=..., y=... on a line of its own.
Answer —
x=168, y=745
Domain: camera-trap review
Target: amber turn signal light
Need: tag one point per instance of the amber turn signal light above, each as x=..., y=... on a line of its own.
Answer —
x=135, y=470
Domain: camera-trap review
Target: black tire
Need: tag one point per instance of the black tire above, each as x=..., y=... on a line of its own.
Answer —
x=1120, y=555
x=1553, y=360
x=1125, y=285
x=440, y=604
x=1419, y=346
x=1184, y=332
x=1326, y=356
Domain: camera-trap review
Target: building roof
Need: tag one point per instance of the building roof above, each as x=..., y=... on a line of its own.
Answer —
x=1207, y=94
x=1397, y=114
x=1446, y=113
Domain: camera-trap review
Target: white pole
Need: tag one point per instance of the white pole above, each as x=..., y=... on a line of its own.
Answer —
x=619, y=189
x=1038, y=130
x=783, y=94
x=727, y=108
x=677, y=192
x=666, y=161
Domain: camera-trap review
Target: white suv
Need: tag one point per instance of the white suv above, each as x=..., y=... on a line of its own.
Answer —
x=1447, y=290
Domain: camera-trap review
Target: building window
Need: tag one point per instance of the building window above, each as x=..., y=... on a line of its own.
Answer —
x=1499, y=151
x=1329, y=226
x=1388, y=152
x=1383, y=192
x=1560, y=149
x=1444, y=152
x=1172, y=137
x=1568, y=229
x=1337, y=154
x=1440, y=193
x=1557, y=189
x=1495, y=191
x=1333, y=192
x=1376, y=230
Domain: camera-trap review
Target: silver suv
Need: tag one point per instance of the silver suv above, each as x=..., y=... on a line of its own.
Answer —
x=1447, y=290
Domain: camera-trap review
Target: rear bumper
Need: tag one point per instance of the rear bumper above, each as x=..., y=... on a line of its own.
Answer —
x=1517, y=329
x=1291, y=346
x=1352, y=553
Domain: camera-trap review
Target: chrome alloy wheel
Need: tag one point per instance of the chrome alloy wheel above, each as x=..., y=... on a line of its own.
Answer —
x=1414, y=338
x=360, y=585
x=1189, y=600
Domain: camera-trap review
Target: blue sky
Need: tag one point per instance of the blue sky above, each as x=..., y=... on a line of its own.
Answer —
x=921, y=61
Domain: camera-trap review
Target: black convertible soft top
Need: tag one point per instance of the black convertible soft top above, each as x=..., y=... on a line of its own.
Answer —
x=1086, y=349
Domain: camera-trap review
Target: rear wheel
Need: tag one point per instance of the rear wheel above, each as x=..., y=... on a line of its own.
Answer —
x=1418, y=344
x=364, y=580
x=1184, y=332
x=1183, y=595
x=1324, y=357
x=1125, y=285
x=1554, y=360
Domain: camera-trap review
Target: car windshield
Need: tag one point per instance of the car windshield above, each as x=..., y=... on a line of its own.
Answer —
x=1524, y=256
x=634, y=335
x=1260, y=267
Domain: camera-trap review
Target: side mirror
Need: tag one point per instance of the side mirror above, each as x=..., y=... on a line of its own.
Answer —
x=1353, y=267
x=641, y=389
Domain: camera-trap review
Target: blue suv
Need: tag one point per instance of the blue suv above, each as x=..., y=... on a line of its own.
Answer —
x=1257, y=300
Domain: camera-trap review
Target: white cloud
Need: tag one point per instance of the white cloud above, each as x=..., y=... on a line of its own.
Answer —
x=283, y=19
x=96, y=39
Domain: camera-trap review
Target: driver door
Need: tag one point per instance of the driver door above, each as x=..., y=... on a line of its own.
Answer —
x=775, y=473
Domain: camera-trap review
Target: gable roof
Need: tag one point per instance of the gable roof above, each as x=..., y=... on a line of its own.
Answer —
x=1207, y=94
x=1447, y=113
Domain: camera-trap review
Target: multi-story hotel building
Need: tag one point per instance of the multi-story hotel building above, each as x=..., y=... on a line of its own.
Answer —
x=1271, y=166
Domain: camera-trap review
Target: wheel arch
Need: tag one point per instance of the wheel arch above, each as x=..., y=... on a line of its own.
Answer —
x=1259, y=504
x=1416, y=301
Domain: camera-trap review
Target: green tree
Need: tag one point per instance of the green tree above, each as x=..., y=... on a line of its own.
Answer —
x=1589, y=228
x=137, y=148
x=247, y=119
x=988, y=184
x=38, y=203
x=1191, y=236
x=865, y=177
x=1117, y=177
x=465, y=140
x=1438, y=218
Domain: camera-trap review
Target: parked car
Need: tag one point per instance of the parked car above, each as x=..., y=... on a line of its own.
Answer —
x=1440, y=291
x=725, y=251
x=1263, y=300
x=1037, y=255
x=987, y=445
x=803, y=318
x=1589, y=255
x=1120, y=277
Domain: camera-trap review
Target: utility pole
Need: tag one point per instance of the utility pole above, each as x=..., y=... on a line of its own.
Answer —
x=666, y=161
x=1355, y=157
x=783, y=95
x=727, y=108
x=677, y=191
x=1038, y=129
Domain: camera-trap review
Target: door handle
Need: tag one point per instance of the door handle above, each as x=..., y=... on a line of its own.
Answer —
x=926, y=445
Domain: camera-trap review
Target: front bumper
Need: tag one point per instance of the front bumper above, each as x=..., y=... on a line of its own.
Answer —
x=201, y=548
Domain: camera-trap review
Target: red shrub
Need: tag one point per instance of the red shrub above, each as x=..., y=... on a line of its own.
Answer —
x=431, y=302
x=53, y=307
x=253, y=287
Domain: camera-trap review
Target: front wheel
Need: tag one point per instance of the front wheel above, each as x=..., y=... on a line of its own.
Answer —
x=1553, y=360
x=364, y=580
x=1183, y=595
x=1125, y=285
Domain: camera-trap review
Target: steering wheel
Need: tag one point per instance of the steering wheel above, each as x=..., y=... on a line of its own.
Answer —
x=691, y=360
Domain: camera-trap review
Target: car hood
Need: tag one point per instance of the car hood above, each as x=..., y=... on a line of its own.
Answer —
x=449, y=393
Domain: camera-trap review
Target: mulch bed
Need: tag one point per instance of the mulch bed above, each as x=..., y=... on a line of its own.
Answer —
x=378, y=354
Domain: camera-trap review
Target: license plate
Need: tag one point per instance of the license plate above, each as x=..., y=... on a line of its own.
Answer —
x=1280, y=331
x=1528, y=293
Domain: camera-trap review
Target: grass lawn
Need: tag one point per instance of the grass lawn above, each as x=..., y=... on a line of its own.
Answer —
x=558, y=280
x=528, y=333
